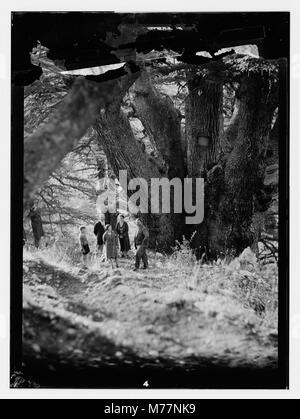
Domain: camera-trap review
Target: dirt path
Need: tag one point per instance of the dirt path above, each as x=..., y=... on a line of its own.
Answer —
x=151, y=318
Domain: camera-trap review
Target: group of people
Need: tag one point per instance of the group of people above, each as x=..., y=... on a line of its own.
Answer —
x=112, y=239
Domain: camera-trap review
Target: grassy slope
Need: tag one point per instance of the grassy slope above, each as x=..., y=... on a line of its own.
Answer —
x=177, y=312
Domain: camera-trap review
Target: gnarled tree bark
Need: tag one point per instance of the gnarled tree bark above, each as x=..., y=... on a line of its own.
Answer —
x=124, y=152
x=204, y=136
x=237, y=186
x=204, y=124
x=162, y=124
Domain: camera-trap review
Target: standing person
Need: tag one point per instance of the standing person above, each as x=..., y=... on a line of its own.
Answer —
x=84, y=245
x=111, y=217
x=110, y=239
x=99, y=230
x=141, y=242
x=36, y=224
x=122, y=231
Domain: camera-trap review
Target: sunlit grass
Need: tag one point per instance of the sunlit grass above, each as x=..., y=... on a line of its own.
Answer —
x=251, y=283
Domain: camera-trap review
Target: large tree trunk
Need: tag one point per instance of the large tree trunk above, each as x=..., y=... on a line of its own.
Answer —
x=124, y=152
x=120, y=146
x=204, y=137
x=162, y=124
x=235, y=188
x=233, y=163
x=204, y=124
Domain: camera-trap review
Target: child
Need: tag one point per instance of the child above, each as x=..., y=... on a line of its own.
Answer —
x=110, y=239
x=84, y=245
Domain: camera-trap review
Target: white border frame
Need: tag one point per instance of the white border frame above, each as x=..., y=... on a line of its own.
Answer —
x=153, y=6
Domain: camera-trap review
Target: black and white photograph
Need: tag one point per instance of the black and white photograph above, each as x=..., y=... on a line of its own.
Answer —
x=149, y=200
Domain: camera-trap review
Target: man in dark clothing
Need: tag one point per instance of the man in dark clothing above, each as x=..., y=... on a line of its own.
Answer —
x=141, y=242
x=111, y=218
x=99, y=230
